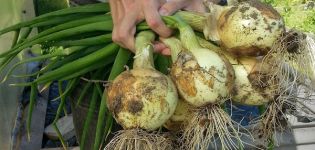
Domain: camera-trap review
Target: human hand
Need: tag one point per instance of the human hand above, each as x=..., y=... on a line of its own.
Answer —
x=127, y=13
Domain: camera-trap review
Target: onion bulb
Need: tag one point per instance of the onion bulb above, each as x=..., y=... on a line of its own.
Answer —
x=249, y=76
x=201, y=76
x=204, y=79
x=180, y=117
x=252, y=85
x=141, y=100
x=246, y=29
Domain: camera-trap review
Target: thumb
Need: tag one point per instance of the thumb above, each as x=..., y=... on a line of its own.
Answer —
x=170, y=7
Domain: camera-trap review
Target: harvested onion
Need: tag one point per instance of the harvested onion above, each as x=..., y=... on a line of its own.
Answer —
x=180, y=117
x=201, y=76
x=141, y=100
x=204, y=79
x=246, y=29
x=249, y=74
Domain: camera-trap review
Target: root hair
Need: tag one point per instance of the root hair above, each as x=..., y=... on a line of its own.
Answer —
x=209, y=124
x=288, y=62
x=135, y=139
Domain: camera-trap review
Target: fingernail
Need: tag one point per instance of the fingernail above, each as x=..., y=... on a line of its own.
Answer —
x=163, y=12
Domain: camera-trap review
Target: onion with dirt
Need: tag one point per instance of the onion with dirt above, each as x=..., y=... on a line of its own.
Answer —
x=248, y=28
x=141, y=100
x=205, y=80
x=180, y=117
x=251, y=86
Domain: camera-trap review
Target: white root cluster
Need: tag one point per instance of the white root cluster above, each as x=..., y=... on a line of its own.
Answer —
x=210, y=124
x=137, y=139
x=293, y=59
x=291, y=62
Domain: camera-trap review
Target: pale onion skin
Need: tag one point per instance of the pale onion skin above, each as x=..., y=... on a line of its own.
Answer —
x=142, y=98
x=247, y=29
x=247, y=88
x=246, y=71
x=180, y=117
x=202, y=77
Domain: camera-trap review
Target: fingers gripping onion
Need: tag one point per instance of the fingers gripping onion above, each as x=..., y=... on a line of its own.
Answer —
x=141, y=98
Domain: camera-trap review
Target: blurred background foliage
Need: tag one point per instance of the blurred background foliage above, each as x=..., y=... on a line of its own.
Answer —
x=298, y=14
x=11, y=12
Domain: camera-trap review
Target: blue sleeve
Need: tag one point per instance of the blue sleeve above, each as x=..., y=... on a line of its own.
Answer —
x=223, y=2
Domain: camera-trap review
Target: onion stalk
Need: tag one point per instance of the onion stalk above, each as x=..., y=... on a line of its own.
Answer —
x=91, y=8
x=57, y=52
x=141, y=100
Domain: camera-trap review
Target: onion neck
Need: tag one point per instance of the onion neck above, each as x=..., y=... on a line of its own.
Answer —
x=194, y=19
x=187, y=35
x=206, y=44
x=175, y=45
x=144, y=50
x=210, y=29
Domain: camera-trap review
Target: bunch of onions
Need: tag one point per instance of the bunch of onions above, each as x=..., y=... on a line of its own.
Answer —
x=254, y=29
x=204, y=79
x=274, y=79
x=258, y=83
x=141, y=100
